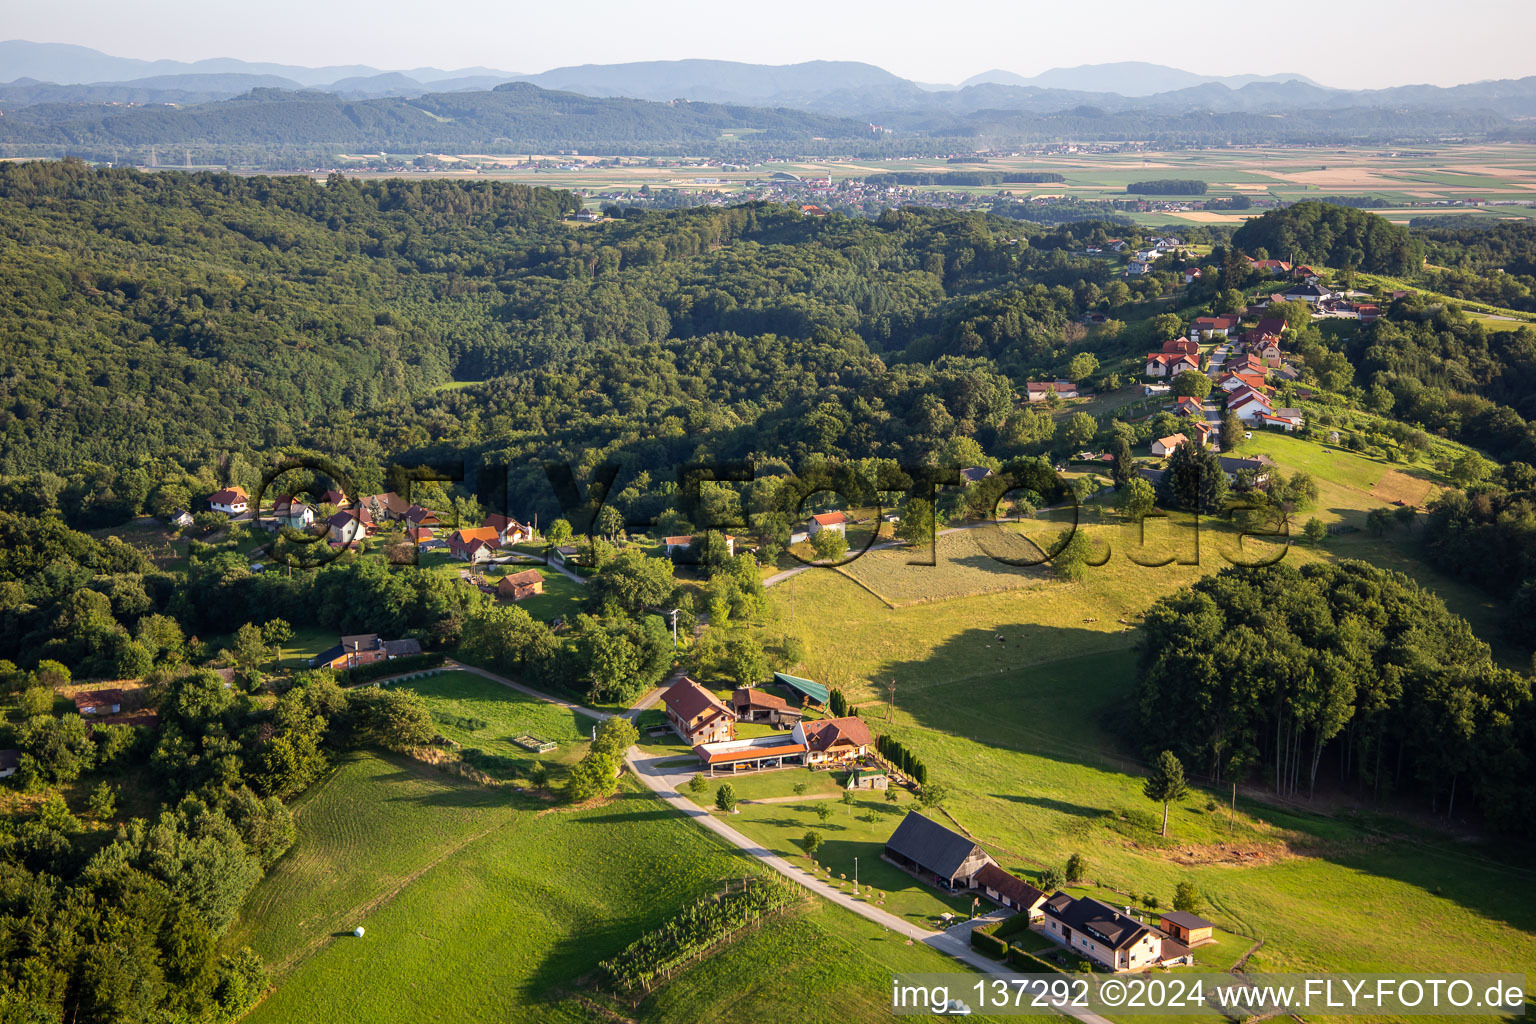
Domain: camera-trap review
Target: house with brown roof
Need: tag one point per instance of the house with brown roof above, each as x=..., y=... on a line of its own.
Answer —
x=753, y=705
x=1162, y=364
x=1184, y=405
x=99, y=702
x=1188, y=928
x=1164, y=446
x=1181, y=347
x=476, y=545
x=520, y=585
x=508, y=530
x=386, y=506
x=1010, y=891
x=697, y=715
x=1039, y=391
x=834, y=740
x=420, y=515
x=349, y=525
x=232, y=501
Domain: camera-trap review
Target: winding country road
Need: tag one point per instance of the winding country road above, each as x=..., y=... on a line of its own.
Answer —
x=666, y=782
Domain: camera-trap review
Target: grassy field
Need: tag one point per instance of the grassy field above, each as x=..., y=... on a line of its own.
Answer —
x=1006, y=697
x=961, y=566
x=477, y=713
x=477, y=907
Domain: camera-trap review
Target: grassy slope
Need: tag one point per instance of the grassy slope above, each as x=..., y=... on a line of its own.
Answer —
x=1016, y=729
x=478, y=908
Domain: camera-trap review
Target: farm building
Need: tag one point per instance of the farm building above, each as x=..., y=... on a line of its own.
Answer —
x=753, y=705
x=931, y=851
x=1188, y=928
x=697, y=715
x=1011, y=891
x=807, y=691
x=867, y=778
x=519, y=585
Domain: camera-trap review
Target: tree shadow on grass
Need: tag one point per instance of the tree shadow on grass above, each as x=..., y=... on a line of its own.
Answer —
x=1060, y=806
x=1055, y=709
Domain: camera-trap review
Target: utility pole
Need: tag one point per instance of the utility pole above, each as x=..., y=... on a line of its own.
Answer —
x=674, y=628
x=890, y=708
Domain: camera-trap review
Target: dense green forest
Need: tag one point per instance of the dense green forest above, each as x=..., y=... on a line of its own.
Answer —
x=1341, y=669
x=277, y=129
x=1167, y=187
x=1335, y=236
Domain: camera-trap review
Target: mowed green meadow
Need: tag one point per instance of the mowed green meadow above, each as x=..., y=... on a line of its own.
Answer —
x=1014, y=701
x=479, y=903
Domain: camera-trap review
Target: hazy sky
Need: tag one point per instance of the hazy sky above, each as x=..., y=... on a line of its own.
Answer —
x=1346, y=43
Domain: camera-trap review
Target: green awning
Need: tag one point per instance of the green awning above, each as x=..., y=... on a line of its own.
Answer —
x=815, y=691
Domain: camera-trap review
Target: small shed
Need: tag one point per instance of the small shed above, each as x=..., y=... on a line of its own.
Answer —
x=1190, y=929
x=868, y=778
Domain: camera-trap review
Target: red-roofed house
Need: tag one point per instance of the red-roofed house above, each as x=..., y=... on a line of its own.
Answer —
x=1207, y=326
x=1040, y=390
x=1250, y=407
x=834, y=739
x=697, y=715
x=232, y=501
x=349, y=525
x=1164, y=446
x=837, y=522
x=1187, y=406
x=1270, y=266
x=1182, y=347
x=477, y=545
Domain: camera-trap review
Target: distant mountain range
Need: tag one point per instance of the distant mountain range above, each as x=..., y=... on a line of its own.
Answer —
x=39, y=73
x=69, y=96
x=1127, y=78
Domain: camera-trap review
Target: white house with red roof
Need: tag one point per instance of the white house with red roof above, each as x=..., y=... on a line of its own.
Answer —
x=232, y=501
x=1164, y=364
x=1250, y=406
x=837, y=522
x=1164, y=446
x=508, y=530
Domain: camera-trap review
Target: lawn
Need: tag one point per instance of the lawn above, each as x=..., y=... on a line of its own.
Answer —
x=477, y=907
x=563, y=597
x=480, y=714
x=962, y=567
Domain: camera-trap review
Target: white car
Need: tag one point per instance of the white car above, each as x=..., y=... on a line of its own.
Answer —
x=1247, y=435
